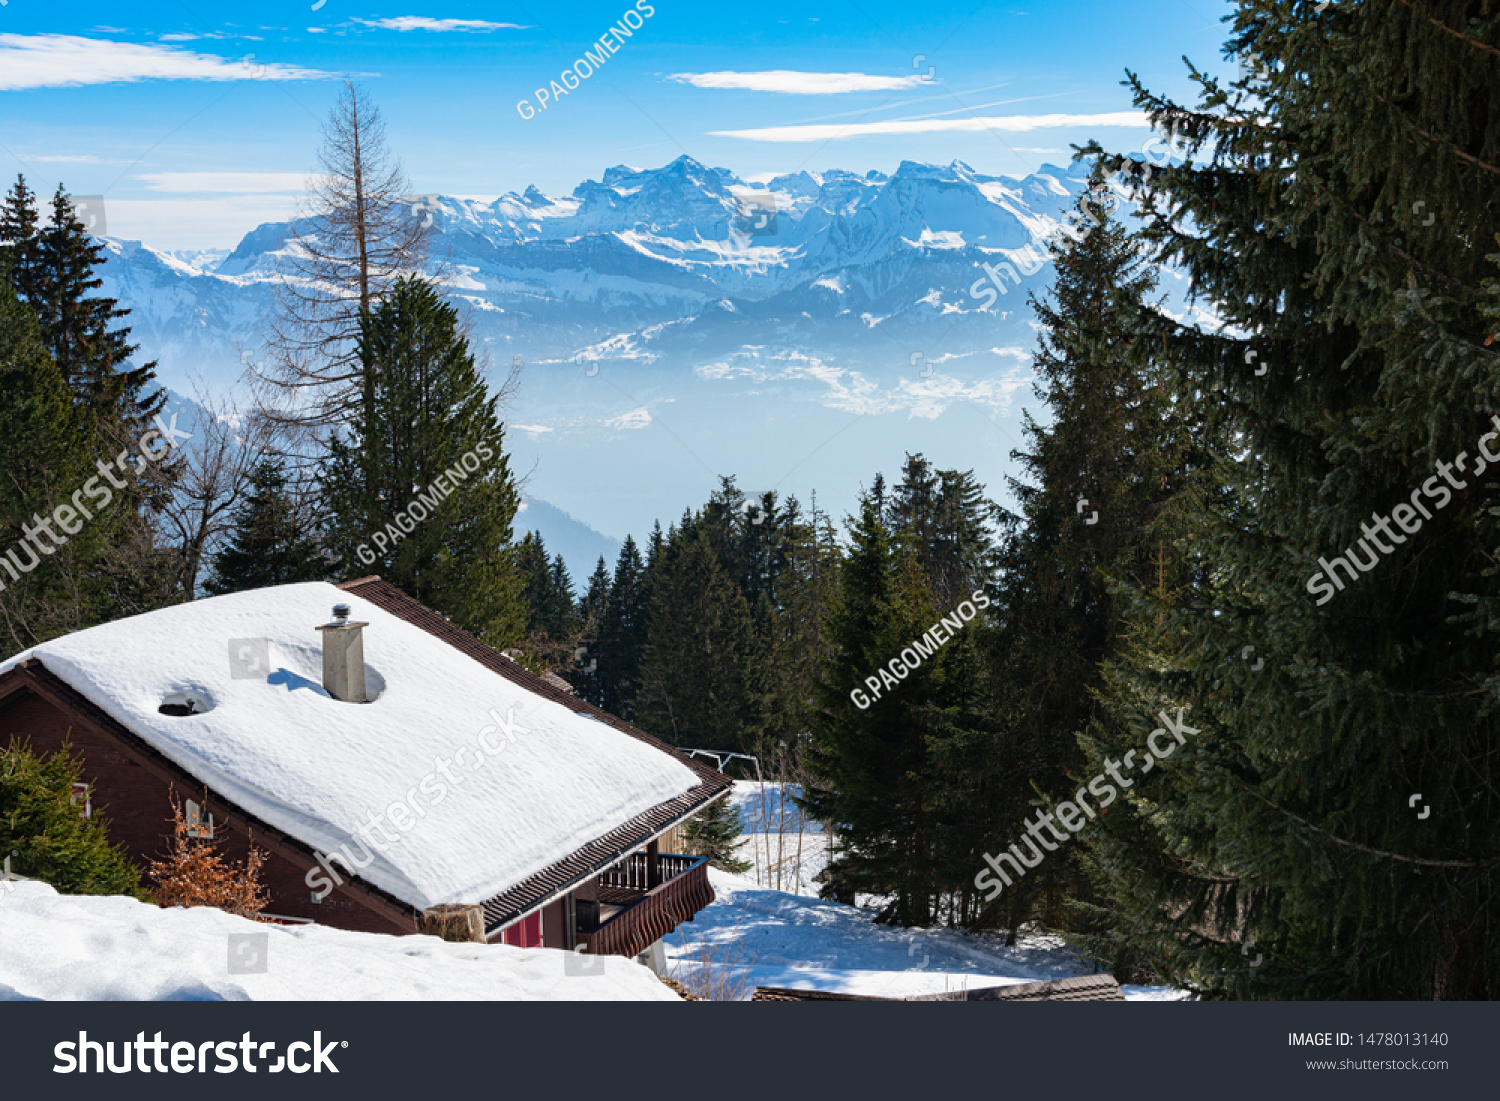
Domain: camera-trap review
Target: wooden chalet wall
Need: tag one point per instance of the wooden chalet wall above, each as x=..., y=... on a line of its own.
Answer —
x=137, y=802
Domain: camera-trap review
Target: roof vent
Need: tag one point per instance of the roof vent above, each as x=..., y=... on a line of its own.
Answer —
x=344, y=657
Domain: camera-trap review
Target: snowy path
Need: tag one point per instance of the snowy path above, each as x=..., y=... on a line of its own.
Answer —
x=771, y=938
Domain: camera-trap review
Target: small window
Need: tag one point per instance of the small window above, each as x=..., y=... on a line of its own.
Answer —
x=199, y=825
x=80, y=799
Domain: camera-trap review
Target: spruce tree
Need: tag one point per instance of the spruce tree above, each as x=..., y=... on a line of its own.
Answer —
x=77, y=328
x=270, y=543
x=716, y=833
x=19, y=242
x=1094, y=482
x=583, y=669
x=1337, y=669
x=622, y=633
x=547, y=591
x=694, y=665
x=51, y=832
x=46, y=454
x=866, y=755
x=418, y=488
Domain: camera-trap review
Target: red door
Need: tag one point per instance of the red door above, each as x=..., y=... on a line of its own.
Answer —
x=526, y=933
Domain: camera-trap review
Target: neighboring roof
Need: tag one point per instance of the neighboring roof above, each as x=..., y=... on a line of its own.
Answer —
x=1083, y=988
x=318, y=769
x=573, y=869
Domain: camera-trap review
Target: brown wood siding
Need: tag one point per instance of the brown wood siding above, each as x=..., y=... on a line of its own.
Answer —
x=136, y=800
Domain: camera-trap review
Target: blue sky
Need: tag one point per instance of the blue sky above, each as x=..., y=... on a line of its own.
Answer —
x=158, y=105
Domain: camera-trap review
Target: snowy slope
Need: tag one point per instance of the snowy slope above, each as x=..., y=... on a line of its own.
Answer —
x=770, y=938
x=279, y=746
x=56, y=947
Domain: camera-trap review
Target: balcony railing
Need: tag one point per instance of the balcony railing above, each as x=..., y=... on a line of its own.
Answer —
x=683, y=891
x=634, y=873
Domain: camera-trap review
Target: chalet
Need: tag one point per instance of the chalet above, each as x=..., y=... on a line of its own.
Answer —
x=401, y=776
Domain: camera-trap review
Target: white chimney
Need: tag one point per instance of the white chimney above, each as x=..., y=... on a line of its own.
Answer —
x=344, y=657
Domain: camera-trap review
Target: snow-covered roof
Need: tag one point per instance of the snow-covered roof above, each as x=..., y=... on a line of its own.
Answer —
x=487, y=810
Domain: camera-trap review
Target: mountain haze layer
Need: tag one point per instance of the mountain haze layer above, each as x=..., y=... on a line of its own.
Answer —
x=676, y=325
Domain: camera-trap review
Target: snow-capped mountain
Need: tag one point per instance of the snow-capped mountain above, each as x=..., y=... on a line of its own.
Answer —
x=652, y=296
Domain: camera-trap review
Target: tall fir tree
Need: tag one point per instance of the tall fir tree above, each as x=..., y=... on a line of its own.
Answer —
x=866, y=756
x=1094, y=483
x=424, y=468
x=77, y=328
x=46, y=588
x=1334, y=666
x=547, y=591
x=19, y=241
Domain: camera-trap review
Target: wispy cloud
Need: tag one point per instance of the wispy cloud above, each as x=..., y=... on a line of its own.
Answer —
x=189, y=36
x=1009, y=123
x=63, y=158
x=423, y=23
x=66, y=61
x=790, y=82
x=227, y=183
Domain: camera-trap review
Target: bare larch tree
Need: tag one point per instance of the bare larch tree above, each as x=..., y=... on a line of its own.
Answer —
x=354, y=234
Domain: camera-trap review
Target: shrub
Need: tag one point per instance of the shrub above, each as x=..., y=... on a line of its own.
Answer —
x=44, y=834
x=195, y=873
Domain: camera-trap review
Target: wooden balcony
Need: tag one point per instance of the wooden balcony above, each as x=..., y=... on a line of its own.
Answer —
x=644, y=898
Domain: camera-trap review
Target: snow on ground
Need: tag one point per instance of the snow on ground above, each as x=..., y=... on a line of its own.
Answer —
x=785, y=846
x=56, y=947
x=270, y=739
x=752, y=936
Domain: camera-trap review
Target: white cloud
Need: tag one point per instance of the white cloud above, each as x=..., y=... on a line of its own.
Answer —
x=229, y=183
x=195, y=223
x=799, y=84
x=62, y=158
x=66, y=61
x=1009, y=123
x=636, y=418
x=423, y=23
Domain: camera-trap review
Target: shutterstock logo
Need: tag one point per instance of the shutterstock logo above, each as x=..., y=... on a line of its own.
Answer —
x=85, y=1056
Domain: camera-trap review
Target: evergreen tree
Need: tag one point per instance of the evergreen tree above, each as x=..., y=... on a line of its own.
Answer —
x=947, y=522
x=622, y=633
x=44, y=831
x=699, y=640
x=716, y=833
x=583, y=672
x=547, y=591
x=1332, y=665
x=271, y=543
x=46, y=589
x=1096, y=477
x=76, y=327
x=866, y=755
x=19, y=242
x=419, y=487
